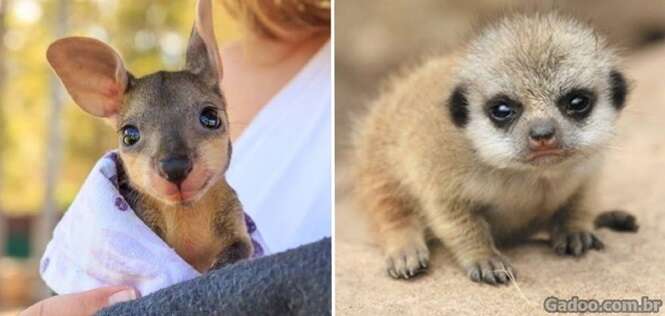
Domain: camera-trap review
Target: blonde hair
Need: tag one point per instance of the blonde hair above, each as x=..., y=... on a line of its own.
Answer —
x=278, y=18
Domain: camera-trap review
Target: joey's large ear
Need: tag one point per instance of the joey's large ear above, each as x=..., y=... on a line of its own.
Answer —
x=202, y=54
x=92, y=72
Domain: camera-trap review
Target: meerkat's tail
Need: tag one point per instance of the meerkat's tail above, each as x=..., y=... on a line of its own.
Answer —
x=617, y=220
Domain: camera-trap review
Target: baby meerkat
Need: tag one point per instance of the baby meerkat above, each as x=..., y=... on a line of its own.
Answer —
x=490, y=145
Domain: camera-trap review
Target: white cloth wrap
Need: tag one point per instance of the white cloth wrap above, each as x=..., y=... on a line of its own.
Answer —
x=101, y=242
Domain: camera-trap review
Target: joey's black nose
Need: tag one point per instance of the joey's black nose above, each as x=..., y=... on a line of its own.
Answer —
x=175, y=169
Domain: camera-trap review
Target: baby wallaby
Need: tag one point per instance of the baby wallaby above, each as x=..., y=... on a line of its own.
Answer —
x=174, y=141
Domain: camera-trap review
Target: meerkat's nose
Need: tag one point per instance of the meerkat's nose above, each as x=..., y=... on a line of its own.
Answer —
x=542, y=135
x=175, y=169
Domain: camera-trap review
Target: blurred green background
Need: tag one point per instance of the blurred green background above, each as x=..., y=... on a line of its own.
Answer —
x=47, y=144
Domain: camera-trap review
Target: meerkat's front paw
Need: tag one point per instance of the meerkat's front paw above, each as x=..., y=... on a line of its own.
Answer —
x=618, y=220
x=575, y=243
x=493, y=270
x=407, y=262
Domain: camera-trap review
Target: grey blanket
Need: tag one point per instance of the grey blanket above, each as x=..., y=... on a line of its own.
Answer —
x=295, y=282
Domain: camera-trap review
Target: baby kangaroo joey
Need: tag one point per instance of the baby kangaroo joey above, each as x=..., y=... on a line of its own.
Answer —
x=174, y=141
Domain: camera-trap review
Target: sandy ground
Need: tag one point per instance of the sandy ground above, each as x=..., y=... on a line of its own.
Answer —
x=631, y=266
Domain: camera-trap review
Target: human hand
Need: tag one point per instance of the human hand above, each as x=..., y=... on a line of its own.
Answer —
x=80, y=304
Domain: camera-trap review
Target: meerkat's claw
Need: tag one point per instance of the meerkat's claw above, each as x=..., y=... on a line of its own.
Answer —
x=576, y=243
x=407, y=263
x=494, y=270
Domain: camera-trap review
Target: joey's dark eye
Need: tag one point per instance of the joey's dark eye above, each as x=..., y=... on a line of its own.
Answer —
x=130, y=135
x=209, y=118
x=502, y=112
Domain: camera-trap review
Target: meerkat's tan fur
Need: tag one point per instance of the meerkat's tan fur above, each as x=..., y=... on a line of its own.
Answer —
x=419, y=173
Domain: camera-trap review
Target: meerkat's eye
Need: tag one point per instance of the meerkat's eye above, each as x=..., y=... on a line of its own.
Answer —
x=130, y=135
x=502, y=112
x=577, y=103
x=209, y=118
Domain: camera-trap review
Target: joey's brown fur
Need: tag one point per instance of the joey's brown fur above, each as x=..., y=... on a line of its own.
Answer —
x=435, y=157
x=197, y=232
x=174, y=141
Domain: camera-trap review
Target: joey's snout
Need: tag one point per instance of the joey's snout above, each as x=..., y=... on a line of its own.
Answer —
x=175, y=169
x=179, y=178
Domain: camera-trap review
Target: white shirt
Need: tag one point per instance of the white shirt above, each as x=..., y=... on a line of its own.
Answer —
x=280, y=165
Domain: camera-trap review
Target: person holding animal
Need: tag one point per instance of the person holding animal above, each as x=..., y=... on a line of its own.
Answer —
x=173, y=202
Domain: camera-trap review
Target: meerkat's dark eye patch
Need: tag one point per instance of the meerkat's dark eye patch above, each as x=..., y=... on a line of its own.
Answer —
x=502, y=110
x=458, y=106
x=619, y=89
x=577, y=103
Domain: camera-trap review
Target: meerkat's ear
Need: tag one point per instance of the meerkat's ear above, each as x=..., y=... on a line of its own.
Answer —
x=458, y=106
x=202, y=53
x=618, y=89
x=92, y=72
